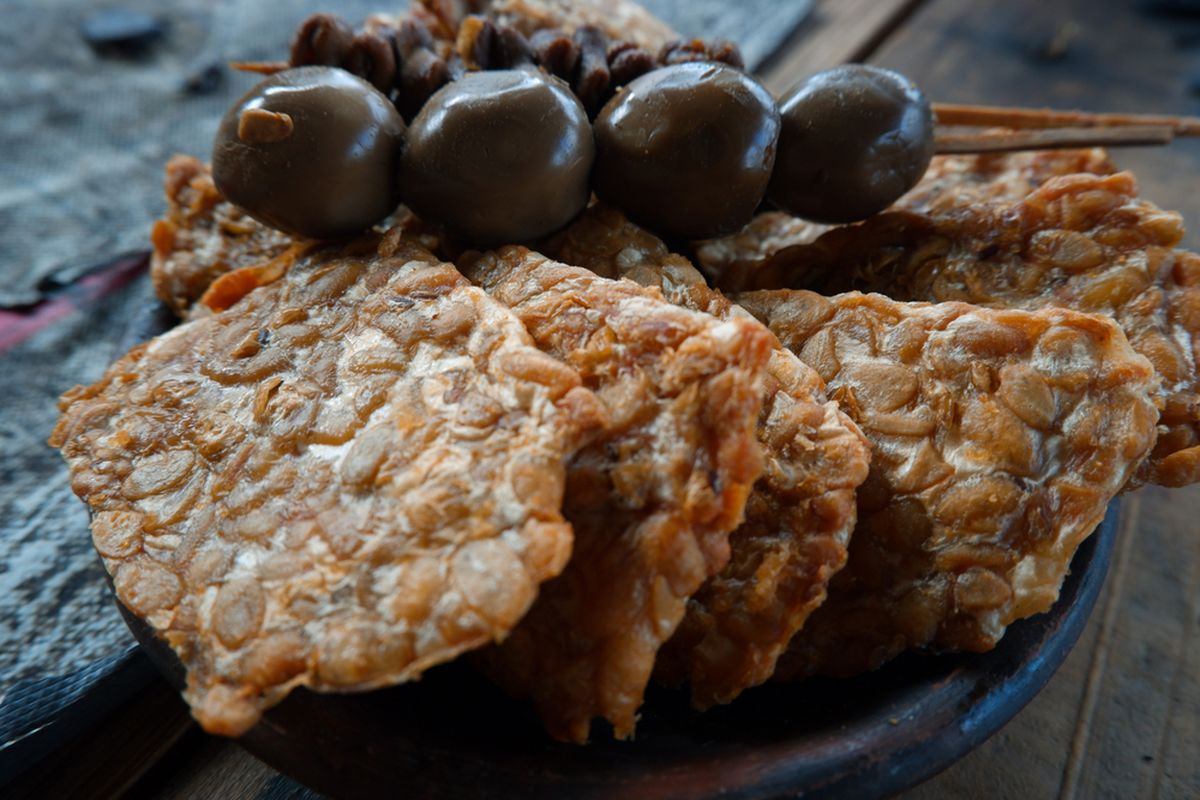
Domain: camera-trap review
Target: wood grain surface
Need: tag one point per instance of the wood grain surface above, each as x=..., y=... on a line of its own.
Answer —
x=1093, y=55
x=835, y=32
x=1121, y=719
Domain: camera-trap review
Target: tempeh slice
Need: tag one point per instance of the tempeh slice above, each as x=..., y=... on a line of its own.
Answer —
x=652, y=502
x=1084, y=242
x=207, y=252
x=951, y=183
x=203, y=236
x=351, y=475
x=998, y=439
x=216, y=239
x=800, y=513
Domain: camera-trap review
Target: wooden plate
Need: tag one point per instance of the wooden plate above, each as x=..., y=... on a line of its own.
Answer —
x=453, y=735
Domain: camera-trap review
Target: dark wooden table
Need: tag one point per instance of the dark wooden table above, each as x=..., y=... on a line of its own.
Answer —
x=1121, y=719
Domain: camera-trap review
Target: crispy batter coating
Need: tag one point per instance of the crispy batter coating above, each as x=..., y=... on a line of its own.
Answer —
x=951, y=183
x=351, y=475
x=1084, y=242
x=800, y=512
x=999, y=436
x=208, y=253
x=203, y=236
x=652, y=502
x=956, y=182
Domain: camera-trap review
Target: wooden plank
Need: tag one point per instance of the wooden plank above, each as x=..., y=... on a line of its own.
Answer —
x=835, y=32
x=1179, y=774
x=1142, y=738
x=208, y=766
x=1041, y=736
x=1093, y=683
x=1093, y=55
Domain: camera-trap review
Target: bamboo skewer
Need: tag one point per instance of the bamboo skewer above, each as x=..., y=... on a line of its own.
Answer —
x=1048, y=129
x=1022, y=118
x=1052, y=139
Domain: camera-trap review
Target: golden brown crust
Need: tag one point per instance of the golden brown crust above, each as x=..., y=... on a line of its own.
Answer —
x=954, y=182
x=351, y=475
x=732, y=498
x=207, y=253
x=652, y=502
x=998, y=436
x=756, y=256
x=793, y=540
x=203, y=236
x=800, y=513
x=1084, y=242
x=449, y=13
x=745, y=251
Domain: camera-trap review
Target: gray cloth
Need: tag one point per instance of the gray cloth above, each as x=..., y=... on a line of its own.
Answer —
x=57, y=609
x=83, y=139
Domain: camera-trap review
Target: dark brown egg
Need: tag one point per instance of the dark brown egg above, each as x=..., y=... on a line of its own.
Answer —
x=499, y=156
x=312, y=151
x=855, y=138
x=687, y=150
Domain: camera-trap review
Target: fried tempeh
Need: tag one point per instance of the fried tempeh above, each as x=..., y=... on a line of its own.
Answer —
x=207, y=252
x=745, y=251
x=800, y=513
x=203, y=236
x=756, y=256
x=210, y=237
x=1083, y=241
x=998, y=439
x=957, y=182
x=652, y=502
x=351, y=475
